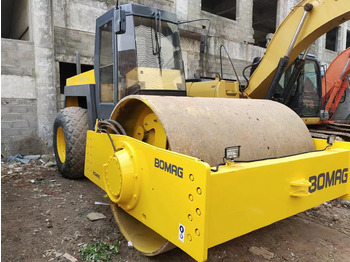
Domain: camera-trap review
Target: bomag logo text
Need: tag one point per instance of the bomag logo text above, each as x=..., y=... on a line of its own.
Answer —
x=170, y=168
x=328, y=179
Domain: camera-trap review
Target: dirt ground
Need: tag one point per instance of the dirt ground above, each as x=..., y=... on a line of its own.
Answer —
x=44, y=216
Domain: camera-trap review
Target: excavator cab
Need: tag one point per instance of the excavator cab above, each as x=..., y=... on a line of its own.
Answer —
x=137, y=51
x=304, y=85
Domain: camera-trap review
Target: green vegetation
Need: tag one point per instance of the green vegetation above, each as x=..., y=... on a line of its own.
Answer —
x=99, y=251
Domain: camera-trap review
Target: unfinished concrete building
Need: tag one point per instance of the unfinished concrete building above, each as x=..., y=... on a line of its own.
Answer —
x=40, y=40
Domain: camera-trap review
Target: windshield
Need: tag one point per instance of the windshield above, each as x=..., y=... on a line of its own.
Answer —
x=157, y=44
x=311, y=99
x=305, y=99
x=149, y=56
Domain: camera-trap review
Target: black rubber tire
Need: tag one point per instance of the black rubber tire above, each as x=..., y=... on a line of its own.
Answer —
x=74, y=123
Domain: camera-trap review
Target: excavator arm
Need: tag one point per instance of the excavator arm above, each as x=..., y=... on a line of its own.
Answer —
x=335, y=81
x=324, y=15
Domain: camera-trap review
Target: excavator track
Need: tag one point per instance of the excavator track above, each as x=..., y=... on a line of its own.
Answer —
x=340, y=126
x=340, y=130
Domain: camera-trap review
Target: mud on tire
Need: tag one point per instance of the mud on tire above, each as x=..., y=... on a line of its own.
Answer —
x=74, y=123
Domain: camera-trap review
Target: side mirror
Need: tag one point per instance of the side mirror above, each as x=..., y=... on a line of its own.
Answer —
x=119, y=21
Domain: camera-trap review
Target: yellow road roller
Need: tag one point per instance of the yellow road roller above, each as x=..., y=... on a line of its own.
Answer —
x=196, y=172
x=191, y=172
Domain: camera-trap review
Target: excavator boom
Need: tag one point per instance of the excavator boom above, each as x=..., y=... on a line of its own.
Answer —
x=324, y=16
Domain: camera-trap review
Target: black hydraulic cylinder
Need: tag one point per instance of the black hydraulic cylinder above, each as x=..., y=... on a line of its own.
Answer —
x=279, y=72
x=289, y=89
x=285, y=60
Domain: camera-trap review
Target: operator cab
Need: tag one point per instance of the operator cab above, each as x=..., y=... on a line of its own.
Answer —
x=137, y=51
x=300, y=86
x=306, y=87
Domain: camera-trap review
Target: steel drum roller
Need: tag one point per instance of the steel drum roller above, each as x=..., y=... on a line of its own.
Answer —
x=203, y=128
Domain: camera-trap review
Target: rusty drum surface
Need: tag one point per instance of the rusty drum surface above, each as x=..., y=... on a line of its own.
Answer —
x=204, y=127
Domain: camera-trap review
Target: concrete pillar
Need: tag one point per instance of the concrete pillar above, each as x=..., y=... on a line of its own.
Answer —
x=42, y=33
x=182, y=9
x=245, y=13
x=341, y=39
x=317, y=47
x=283, y=9
x=30, y=24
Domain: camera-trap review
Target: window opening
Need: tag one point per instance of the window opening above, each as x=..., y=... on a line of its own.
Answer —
x=68, y=70
x=106, y=63
x=331, y=39
x=305, y=98
x=311, y=100
x=14, y=19
x=225, y=8
x=264, y=20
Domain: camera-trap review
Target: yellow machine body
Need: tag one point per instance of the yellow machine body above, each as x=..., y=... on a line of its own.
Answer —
x=87, y=77
x=213, y=88
x=175, y=194
x=153, y=78
x=81, y=79
x=160, y=175
x=311, y=120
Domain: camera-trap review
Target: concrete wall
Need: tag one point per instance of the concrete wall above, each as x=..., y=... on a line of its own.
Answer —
x=221, y=33
x=74, y=29
x=319, y=47
x=74, y=32
x=59, y=29
x=19, y=127
x=69, y=41
x=18, y=98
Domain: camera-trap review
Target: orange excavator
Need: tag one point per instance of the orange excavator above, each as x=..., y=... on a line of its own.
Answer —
x=335, y=89
x=335, y=101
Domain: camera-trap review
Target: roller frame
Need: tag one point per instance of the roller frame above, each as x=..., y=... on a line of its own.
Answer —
x=236, y=200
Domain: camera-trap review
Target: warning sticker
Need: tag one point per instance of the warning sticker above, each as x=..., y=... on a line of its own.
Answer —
x=182, y=233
